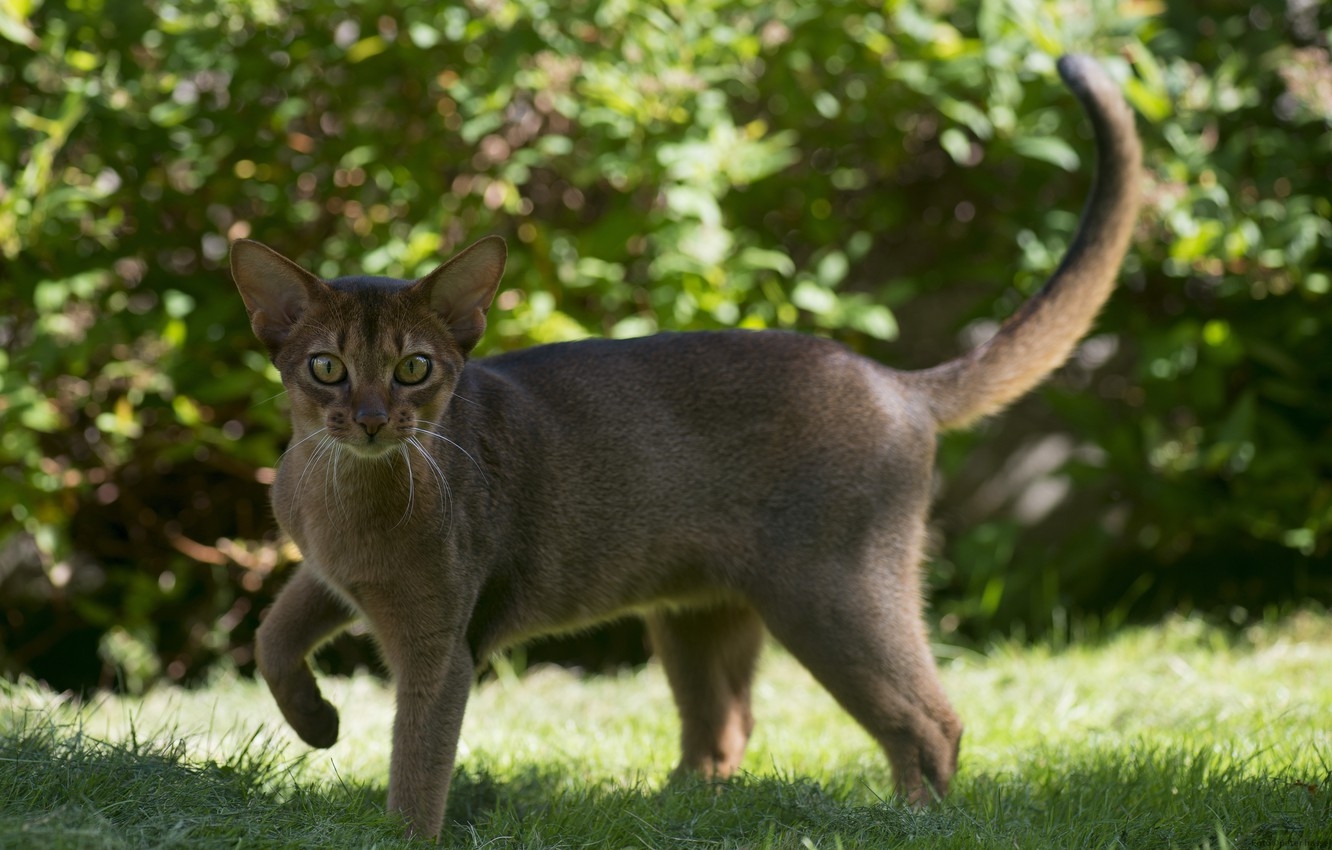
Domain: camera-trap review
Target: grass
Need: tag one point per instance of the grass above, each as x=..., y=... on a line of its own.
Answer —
x=1176, y=736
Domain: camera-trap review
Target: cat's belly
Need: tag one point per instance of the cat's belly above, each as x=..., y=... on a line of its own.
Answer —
x=503, y=617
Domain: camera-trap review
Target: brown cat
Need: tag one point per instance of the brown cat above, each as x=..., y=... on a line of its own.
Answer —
x=716, y=483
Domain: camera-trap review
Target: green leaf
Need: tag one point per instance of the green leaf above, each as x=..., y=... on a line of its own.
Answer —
x=832, y=269
x=633, y=326
x=14, y=27
x=365, y=48
x=423, y=35
x=1049, y=149
x=956, y=143
x=178, y=305
x=808, y=295
x=875, y=320
x=760, y=258
x=1154, y=105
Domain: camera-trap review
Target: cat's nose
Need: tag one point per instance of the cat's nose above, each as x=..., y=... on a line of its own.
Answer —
x=371, y=420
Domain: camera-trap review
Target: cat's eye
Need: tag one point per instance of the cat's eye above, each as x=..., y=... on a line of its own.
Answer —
x=327, y=369
x=412, y=370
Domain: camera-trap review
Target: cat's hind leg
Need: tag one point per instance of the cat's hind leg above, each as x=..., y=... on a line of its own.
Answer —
x=860, y=632
x=709, y=656
x=305, y=614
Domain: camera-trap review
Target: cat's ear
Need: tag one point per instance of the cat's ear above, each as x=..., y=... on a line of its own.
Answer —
x=461, y=290
x=276, y=291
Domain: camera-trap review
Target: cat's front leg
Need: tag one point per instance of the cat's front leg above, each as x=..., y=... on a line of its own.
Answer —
x=425, y=743
x=305, y=614
x=432, y=690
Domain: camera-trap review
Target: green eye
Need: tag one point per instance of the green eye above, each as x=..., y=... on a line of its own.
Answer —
x=327, y=369
x=412, y=370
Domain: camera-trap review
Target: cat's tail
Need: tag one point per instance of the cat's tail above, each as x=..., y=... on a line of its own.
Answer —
x=1040, y=336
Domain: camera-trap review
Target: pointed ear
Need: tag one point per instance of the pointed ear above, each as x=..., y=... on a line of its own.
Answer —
x=461, y=290
x=276, y=291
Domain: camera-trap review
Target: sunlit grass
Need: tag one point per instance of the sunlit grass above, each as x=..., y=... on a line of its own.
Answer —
x=1180, y=735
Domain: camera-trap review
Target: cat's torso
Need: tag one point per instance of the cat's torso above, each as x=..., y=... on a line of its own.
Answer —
x=555, y=508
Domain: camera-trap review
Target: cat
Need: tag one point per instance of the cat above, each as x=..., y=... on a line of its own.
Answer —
x=716, y=483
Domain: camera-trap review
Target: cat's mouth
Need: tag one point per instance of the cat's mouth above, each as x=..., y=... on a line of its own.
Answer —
x=370, y=445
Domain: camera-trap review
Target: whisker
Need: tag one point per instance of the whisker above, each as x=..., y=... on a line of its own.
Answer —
x=411, y=486
x=317, y=325
x=342, y=490
x=303, y=439
x=319, y=452
x=267, y=400
x=439, y=473
x=422, y=320
x=446, y=492
x=337, y=483
x=455, y=445
x=331, y=474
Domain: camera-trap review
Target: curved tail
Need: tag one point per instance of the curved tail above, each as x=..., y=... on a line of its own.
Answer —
x=1040, y=336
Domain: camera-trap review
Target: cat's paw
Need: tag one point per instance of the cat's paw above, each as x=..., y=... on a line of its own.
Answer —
x=317, y=727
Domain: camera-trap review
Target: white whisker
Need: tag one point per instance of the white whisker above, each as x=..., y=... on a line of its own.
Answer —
x=439, y=473
x=337, y=484
x=455, y=445
x=330, y=471
x=310, y=436
x=306, y=320
x=267, y=400
x=320, y=450
x=446, y=493
x=411, y=485
x=423, y=320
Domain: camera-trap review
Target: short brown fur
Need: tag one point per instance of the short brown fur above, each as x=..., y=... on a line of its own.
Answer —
x=718, y=483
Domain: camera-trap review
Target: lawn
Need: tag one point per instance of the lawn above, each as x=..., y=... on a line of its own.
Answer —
x=1180, y=735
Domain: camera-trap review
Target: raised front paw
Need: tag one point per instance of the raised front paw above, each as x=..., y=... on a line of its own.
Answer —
x=317, y=726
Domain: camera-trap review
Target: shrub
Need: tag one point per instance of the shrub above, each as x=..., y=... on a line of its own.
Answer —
x=838, y=169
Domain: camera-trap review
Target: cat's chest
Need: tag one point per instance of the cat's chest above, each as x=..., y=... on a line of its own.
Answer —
x=370, y=565
x=354, y=532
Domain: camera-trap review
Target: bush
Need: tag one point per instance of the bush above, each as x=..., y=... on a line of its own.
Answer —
x=841, y=169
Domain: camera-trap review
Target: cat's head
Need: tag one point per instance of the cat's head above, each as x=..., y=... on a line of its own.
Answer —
x=368, y=358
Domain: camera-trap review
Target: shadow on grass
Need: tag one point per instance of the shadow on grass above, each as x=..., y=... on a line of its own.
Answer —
x=1098, y=798
x=62, y=789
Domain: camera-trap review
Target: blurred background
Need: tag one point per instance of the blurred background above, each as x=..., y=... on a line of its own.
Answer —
x=896, y=175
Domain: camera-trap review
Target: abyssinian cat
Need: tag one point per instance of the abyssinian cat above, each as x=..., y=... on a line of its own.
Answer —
x=716, y=483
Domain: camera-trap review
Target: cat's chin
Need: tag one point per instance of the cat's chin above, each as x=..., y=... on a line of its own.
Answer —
x=370, y=450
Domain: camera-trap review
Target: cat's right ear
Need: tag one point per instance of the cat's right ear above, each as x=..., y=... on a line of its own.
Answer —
x=276, y=291
x=461, y=290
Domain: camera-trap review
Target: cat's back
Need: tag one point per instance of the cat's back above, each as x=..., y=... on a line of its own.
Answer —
x=725, y=375
x=714, y=354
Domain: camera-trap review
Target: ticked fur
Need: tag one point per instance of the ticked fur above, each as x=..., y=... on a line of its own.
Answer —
x=718, y=483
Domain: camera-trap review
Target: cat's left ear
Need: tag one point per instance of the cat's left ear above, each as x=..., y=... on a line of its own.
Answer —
x=461, y=290
x=276, y=291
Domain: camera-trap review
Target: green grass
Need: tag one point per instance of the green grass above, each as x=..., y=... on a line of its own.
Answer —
x=1178, y=736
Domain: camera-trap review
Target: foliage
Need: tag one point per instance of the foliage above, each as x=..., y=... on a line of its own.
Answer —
x=839, y=169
